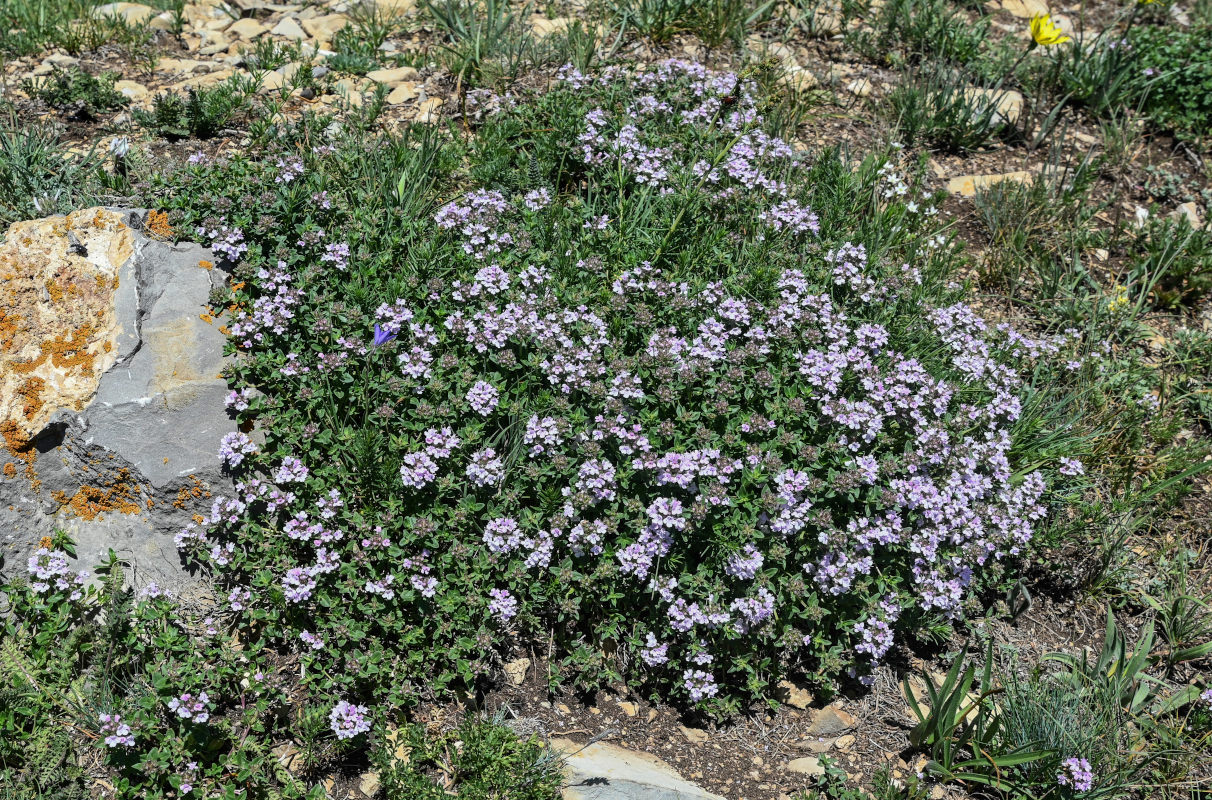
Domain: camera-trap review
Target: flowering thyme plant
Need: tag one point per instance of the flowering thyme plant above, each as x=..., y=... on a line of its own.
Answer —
x=706, y=410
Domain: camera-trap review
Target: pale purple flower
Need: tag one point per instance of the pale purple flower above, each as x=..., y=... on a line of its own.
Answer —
x=347, y=720
x=503, y=605
x=483, y=398
x=1076, y=772
x=116, y=732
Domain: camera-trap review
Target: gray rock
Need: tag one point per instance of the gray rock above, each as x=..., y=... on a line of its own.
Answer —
x=603, y=771
x=130, y=468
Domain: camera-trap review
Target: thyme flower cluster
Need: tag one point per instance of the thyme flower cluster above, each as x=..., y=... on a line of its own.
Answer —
x=707, y=469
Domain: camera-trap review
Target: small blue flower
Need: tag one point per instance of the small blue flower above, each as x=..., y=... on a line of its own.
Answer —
x=382, y=336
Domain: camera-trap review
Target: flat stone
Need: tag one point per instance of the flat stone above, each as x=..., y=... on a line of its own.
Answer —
x=967, y=185
x=808, y=765
x=247, y=29
x=394, y=8
x=279, y=78
x=209, y=79
x=135, y=91
x=604, y=771
x=799, y=78
x=111, y=404
x=1189, y=212
x=860, y=87
x=134, y=13
x=1007, y=103
x=542, y=26
x=325, y=27
x=427, y=109
x=402, y=93
x=695, y=735
x=289, y=29
x=1023, y=9
x=368, y=783
x=515, y=671
x=629, y=708
x=164, y=21
x=393, y=77
x=183, y=66
x=831, y=721
x=794, y=696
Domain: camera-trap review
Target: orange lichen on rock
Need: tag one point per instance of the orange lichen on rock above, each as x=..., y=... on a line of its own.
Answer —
x=90, y=501
x=157, y=225
x=10, y=470
x=58, y=320
x=204, y=264
x=56, y=293
x=71, y=352
x=30, y=392
x=186, y=493
x=17, y=443
x=10, y=327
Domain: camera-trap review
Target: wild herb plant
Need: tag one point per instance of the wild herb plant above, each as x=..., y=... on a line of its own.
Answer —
x=653, y=394
x=199, y=112
x=76, y=90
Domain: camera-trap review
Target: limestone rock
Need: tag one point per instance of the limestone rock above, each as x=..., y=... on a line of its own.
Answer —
x=831, y=721
x=1007, y=103
x=427, y=110
x=967, y=185
x=368, y=783
x=860, y=87
x=515, y=671
x=402, y=93
x=1023, y=9
x=135, y=91
x=695, y=735
x=393, y=77
x=605, y=771
x=542, y=26
x=289, y=29
x=325, y=27
x=808, y=765
x=394, y=8
x=1189, y=212
x=134, y=13
x=247, y=29
x=793, y=695
x=111, y=404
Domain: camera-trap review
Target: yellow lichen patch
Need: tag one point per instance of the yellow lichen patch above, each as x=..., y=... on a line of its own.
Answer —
x=204, y=264
x=157, y=225
x=90, y=501
x=46, y=542
x=10, y=470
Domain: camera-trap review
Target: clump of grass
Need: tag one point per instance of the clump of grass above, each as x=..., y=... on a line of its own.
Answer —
x=1172, y=262
x=912, y=31
x=39, y=176
x=485, y=41
x=940, y=106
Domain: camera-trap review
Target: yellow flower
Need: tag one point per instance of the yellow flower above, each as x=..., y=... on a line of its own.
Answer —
x=1119, y=301
x=1046, y=32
